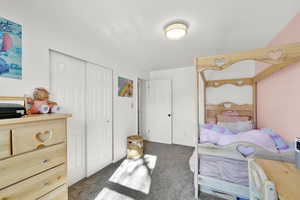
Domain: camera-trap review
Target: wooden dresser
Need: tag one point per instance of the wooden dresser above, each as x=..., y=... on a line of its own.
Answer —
x=33, y=157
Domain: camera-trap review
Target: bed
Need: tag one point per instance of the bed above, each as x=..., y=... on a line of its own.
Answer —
x=221, y=168
x=223, y=151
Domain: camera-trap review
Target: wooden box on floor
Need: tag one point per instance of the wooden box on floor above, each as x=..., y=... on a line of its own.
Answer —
x=135, y=147
x=33, y=157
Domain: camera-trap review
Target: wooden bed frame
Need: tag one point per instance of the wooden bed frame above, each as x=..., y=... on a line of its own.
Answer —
x=278, y=57
x=262, y=188
x=213, y=111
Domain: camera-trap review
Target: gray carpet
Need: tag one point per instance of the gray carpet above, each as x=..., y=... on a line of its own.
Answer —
x=171, y=178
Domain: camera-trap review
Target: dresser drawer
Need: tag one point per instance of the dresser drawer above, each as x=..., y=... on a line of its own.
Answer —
x=60, y=193
x=37, y=135
x=20, y=167
x=37, y=186
x=5, y=143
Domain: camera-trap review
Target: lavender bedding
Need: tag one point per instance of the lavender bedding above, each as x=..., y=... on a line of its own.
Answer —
x=230, y=170
x=264, y=138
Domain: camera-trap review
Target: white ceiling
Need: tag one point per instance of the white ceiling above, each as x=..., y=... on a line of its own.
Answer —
x=131, y=31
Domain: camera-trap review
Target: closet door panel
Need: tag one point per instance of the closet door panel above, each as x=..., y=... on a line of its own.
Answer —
x=99, y=118
x=68, y=89
x=109, y=114
x=108, y=97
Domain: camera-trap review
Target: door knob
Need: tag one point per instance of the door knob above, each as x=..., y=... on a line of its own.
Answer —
x=169, y=115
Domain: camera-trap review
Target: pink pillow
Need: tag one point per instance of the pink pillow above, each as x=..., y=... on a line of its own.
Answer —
x=230, y=113
x=211, y=120
x=253, y=136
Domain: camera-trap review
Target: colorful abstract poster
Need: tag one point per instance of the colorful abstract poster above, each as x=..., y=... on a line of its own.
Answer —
x=10, y=49
x=125, y=87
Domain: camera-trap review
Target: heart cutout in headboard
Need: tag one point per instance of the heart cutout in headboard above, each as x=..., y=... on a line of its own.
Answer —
x=220, y=62
x=216, y=83
x=227, y=105
x=240, y=82
x=275, y=54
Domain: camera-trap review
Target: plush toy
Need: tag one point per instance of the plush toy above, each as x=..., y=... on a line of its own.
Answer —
x=40, y=102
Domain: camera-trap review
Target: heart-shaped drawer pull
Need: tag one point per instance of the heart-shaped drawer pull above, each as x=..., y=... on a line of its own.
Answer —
x=43, y=136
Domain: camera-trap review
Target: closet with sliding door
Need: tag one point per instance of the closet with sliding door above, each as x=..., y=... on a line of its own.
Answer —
x=85, y=90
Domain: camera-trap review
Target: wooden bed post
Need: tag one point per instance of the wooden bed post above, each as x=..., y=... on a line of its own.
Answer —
x=196, y=186
x=254, y=103
x=204, y=93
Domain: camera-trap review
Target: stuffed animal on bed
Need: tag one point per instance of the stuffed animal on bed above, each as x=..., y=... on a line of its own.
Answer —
x=40, y=102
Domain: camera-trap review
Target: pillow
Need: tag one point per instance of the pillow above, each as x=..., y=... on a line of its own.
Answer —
x=253, y=136
x=218, y=129
x=208, y=136
x=280, y=144
x=237, y=127
x=211, y=120
x=230, y=113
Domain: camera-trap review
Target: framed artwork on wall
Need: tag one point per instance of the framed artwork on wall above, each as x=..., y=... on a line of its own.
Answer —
x=10, y=49
x=125, y=87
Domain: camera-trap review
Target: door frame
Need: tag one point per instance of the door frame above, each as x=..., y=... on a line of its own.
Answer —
x=139, y=80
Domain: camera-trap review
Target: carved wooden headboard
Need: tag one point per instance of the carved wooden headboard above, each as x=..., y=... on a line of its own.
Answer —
x=213, y=111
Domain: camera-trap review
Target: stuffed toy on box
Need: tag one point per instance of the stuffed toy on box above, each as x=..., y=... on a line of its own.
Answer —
x=40, y=102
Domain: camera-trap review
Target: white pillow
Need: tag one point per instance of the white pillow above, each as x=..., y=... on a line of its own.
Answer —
x=237, y=127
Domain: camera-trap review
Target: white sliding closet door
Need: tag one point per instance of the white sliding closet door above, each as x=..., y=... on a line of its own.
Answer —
x=68, y=88
x=99, y=118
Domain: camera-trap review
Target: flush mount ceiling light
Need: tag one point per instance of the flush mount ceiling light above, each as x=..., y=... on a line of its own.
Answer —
x=176, y=31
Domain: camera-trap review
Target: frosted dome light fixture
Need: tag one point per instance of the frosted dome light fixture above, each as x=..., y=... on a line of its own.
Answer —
x=176, y=31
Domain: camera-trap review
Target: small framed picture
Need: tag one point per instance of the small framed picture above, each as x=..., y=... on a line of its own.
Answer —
x=125, y=87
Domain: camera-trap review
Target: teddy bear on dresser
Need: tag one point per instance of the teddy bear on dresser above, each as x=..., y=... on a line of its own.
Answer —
x=40, y=102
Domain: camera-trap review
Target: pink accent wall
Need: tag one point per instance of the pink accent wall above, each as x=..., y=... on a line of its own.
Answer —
x=278, y=101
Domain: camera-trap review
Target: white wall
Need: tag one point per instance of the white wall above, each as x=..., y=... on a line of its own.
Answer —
x=184, y=102
x=125, y=117
x=231, y=93
x=41, y=32
x=184, y=95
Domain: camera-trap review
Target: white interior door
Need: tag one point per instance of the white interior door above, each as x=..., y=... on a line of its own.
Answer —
x=99, y=118
x=160, y=111
x=67, y=86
